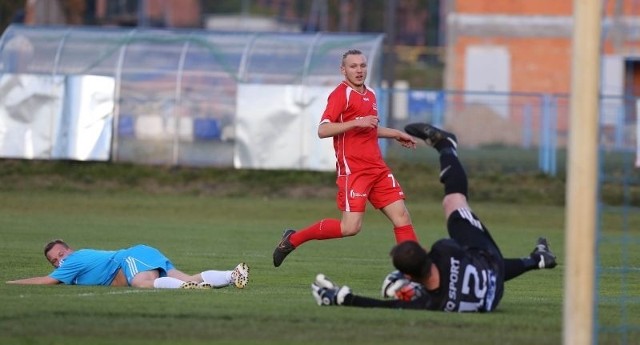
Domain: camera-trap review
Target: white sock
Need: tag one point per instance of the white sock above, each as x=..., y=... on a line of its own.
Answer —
x=167, y=283
x=216, y=278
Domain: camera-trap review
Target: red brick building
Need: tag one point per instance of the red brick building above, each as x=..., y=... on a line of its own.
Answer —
x=504, y=53
x=526, y=46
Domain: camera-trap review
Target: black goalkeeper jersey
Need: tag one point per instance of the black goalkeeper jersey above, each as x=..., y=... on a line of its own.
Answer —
x=470, y=279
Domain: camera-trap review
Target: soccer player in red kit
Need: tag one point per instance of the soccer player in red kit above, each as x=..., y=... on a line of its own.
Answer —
x=351, y=118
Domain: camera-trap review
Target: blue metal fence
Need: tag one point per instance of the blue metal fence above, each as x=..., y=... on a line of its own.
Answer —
x=523, y=120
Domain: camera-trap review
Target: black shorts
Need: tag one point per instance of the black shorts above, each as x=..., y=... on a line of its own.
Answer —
x=466, y=228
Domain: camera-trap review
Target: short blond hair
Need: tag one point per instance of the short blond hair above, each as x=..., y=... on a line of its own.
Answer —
x=350, y=52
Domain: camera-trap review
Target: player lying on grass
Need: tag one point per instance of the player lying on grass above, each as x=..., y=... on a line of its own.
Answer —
x=139, y=266
x=463, y=273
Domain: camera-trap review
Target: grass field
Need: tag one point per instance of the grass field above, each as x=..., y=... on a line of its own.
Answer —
x=210, y=232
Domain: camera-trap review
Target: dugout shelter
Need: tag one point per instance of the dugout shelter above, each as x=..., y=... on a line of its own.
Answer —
x=172, y=97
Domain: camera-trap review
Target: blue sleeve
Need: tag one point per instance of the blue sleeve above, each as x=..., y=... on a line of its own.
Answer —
x=67, y=273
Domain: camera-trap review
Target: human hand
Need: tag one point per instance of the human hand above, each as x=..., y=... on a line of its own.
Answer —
x=406, y=140
x=369, y=121
x=397, y=286
x=326, y=292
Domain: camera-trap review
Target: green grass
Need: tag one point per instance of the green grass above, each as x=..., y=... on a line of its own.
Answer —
x=90, y=205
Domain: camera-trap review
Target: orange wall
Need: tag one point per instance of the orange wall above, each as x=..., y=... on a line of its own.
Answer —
x=537, y=64
x=630, y=7
x=541, y=65
x=515, y=7
x=178, y=13
x=538, y=7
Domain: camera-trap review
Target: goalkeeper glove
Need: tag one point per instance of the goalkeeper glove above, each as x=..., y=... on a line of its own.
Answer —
x=327, y=292
x=396, y=285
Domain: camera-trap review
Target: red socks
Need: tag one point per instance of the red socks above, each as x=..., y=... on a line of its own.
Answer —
x=405, y=233
x=322, y=230
x=330, y=228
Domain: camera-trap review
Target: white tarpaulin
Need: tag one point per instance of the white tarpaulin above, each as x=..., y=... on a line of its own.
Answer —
x=87, y=120
x=277, y=128
x=44, y=117
x=30, y=108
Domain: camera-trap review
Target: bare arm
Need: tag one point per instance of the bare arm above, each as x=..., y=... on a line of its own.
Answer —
x=44, y=280
x=403, y=138
x=330, y=129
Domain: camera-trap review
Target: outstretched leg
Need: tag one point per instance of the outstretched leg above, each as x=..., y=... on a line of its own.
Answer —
x=175, y=279
x=452, y=174
x=462, y=224
x=541, y=257
x=239, y=277
x=454, y=178
x=291, y=239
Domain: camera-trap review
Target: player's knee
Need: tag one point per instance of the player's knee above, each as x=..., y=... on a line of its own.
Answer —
x=452, y=202
x=142, y=283
x=397, y=213
x=350, y=230
x=144, y=279
x=403, y=218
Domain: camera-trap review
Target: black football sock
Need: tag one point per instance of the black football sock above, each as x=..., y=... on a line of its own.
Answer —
x=515, y=267
x=452, y=174
x=443, y=144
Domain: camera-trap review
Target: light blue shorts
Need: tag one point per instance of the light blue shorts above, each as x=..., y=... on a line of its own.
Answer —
x=143, y=258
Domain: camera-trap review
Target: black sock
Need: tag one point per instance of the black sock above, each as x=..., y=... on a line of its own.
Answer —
x=443, y=144
x=530, y=263
x=515, y=267
x=452, y=174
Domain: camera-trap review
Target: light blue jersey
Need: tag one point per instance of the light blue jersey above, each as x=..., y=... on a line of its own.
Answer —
x=87, y=267
x=99, y=267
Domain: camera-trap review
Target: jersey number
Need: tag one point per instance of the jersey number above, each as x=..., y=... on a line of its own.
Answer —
x=479, y=288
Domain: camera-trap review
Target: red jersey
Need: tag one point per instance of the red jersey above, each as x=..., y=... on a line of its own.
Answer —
x=356, y=149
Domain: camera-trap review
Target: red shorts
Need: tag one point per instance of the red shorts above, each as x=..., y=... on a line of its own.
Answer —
x=379, y=186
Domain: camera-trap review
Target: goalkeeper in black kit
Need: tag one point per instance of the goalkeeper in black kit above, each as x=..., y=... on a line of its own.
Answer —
x=463, y=273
